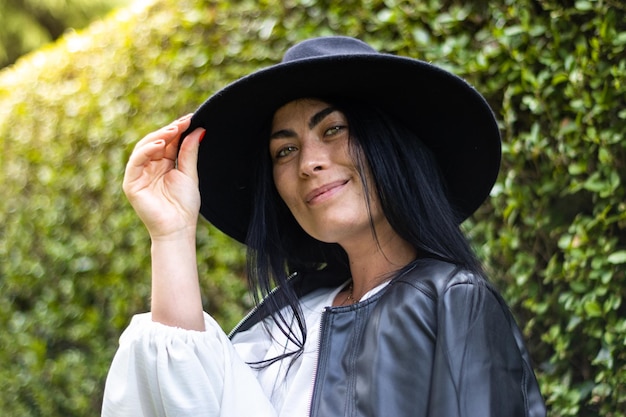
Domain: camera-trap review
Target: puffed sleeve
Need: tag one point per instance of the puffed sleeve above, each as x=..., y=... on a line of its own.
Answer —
x=166, y=371
x=480, y=365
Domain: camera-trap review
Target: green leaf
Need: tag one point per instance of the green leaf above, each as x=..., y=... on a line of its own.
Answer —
x=618, y=257
x=593, y=308
x=620, y=39
x=583, y=5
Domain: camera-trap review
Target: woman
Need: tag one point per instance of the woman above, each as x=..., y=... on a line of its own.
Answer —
x=347, y=173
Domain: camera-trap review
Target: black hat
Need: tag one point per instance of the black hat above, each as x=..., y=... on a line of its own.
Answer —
x=446, y=113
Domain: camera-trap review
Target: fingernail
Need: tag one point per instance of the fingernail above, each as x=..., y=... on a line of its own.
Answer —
x=201, y=136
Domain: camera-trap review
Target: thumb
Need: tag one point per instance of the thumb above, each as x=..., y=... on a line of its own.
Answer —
x=188, y=154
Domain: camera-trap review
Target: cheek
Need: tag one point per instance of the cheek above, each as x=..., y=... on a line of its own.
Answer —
x=282, y=184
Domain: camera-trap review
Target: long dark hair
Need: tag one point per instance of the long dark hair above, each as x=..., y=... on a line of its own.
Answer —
x=408, y=183
x=412, y=195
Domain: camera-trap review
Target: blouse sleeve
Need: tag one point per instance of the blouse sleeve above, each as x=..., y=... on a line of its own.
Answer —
x=166, y=371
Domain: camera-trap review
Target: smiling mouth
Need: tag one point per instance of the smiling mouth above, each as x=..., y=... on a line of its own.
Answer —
x=324, y=191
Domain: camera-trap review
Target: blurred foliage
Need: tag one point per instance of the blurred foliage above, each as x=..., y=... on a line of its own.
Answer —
x=75, y=259
x=26, y=25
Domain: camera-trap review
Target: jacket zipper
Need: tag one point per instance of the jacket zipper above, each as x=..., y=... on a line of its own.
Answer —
x=319, y=351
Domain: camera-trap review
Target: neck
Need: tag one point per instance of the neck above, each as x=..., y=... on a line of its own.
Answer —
x=376, y=260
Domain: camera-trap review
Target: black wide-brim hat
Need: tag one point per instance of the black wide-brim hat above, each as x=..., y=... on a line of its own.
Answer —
x=445, y=112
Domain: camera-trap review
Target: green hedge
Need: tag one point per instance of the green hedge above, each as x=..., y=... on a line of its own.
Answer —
x=75, y=259
x=26, y=25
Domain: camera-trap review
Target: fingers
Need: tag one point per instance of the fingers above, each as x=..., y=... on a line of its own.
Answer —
x=134, y=178
x=159, y=146
x=170, y=133
x=188, y=155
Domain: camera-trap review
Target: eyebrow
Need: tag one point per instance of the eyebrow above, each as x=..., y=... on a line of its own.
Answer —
x=314, y=121
x=320, y=115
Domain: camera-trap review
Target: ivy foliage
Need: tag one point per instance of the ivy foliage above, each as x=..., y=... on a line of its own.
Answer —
x=75, y=258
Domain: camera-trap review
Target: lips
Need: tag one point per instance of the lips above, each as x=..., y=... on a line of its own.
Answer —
x=324, y=191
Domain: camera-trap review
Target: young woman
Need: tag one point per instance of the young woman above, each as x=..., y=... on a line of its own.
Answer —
x=347, y=173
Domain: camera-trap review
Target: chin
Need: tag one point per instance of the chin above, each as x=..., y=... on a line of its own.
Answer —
x=338, y=232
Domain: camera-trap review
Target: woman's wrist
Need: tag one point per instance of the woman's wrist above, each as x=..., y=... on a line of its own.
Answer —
x=176, y=299
x=185, y=236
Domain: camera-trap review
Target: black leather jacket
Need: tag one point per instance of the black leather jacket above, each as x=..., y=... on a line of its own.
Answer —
x=436, y=342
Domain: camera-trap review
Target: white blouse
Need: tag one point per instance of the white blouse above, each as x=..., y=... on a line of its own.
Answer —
x=165, y=371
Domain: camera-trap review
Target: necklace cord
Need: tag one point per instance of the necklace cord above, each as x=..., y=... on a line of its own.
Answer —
x=350, y=296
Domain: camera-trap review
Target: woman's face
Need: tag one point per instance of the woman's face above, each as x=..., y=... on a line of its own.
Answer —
x=315, y=174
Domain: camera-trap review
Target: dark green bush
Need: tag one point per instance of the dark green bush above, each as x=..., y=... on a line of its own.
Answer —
x=26, y=25
x=75, y=259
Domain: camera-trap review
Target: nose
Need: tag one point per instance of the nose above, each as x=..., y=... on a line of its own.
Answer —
x=313, y=158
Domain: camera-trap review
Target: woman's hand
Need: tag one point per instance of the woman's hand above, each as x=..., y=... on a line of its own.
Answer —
x=164, y=195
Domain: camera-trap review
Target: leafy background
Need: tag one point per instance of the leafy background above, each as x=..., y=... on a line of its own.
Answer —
x=26, y=25
x=75, y=259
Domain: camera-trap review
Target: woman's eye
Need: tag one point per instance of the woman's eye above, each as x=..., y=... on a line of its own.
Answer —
x=282, y=152
x=334, y=130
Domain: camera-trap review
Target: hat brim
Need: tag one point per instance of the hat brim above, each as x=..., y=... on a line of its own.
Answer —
x=446, y=113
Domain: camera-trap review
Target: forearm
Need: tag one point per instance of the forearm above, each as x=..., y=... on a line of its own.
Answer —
x=176, y=299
